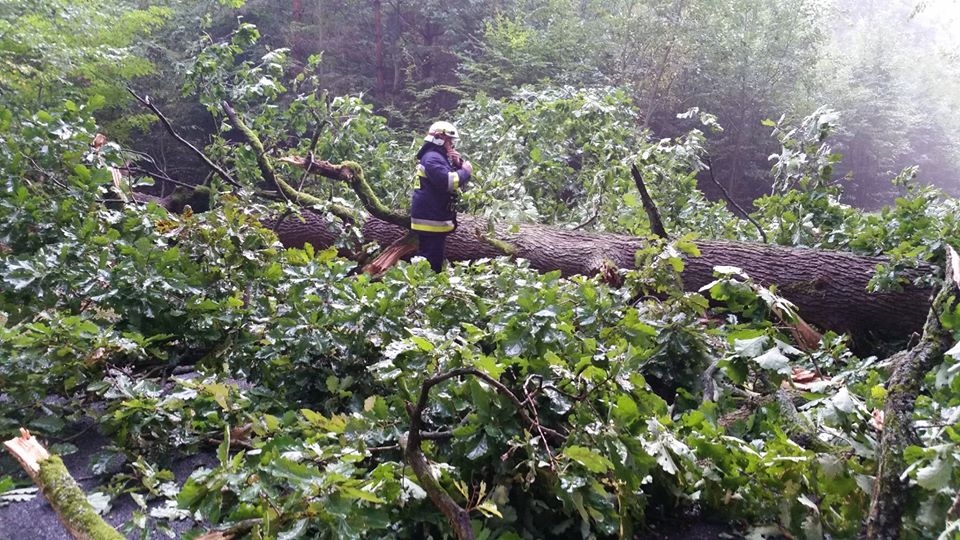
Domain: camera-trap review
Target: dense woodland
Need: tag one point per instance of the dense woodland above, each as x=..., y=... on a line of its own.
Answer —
x=704, y=277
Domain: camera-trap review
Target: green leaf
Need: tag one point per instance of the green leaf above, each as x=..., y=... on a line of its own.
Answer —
x=99, y=501
x=774, y=360
x=751, y=347
x=626, y=410
x=593, y=461
x=296, y=530
x=219, y=393
x=363, y=495
x=223, y=450
x=422, y=343
x=937, y=475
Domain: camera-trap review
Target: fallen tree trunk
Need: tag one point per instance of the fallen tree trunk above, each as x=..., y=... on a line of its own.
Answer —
x=828, y=287
x=65, y=496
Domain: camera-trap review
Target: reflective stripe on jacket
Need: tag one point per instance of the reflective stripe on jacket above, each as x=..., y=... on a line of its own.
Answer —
x=436, y=183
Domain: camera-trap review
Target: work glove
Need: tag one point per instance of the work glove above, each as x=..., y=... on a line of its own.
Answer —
x=454, y=157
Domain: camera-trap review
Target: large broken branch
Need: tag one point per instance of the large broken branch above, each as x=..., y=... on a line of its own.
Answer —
x=348, y=171
x=352, y=173
x=457, y=516
x=909, y=368
x=65, y=496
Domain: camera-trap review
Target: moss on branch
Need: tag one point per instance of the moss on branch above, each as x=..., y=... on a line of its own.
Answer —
x=890, y=490
x=61, y=490
x=270, y=174
x=71, y=502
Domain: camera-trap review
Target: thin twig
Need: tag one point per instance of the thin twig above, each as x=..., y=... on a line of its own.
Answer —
x=159, y=176
x=596, y=214
x=497, y=385
x=536, y=417
x=730, y=200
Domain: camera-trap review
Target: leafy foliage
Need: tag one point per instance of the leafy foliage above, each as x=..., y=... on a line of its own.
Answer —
x=72, y=49
x=193, y=333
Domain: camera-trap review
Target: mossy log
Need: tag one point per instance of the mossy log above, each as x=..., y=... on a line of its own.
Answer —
x=60, y=489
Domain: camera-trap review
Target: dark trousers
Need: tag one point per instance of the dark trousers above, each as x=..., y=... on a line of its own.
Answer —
x=432, y=248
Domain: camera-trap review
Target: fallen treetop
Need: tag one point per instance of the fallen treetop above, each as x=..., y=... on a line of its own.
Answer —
x=828, y=287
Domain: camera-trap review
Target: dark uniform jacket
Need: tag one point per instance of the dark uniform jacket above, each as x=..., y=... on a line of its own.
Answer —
x=436, y=187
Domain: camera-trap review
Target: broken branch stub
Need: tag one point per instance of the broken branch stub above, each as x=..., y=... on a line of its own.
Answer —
x=61, y=490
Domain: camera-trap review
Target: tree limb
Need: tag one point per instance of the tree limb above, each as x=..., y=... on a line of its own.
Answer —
x=888, y=501
x=456, y=515
x=352, y=173
x=270, y=175
x=61, y=490
x=166, y=123
x=656, y=224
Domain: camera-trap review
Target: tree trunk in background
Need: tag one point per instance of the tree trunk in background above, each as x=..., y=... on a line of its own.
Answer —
x=296, y=40
x=378, y=33
x=828, y=287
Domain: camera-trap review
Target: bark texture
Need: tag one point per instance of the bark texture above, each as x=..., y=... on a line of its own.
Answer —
x=890, y=489
x=828, y=287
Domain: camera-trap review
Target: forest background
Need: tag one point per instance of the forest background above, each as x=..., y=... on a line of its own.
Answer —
x=299, y=372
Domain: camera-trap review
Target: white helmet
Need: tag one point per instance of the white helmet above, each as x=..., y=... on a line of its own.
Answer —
x=441, y=128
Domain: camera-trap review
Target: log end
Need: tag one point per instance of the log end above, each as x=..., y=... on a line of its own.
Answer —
x=28, y=451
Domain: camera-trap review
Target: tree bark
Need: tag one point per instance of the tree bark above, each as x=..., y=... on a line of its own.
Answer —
x=828, y=287
x=890, y=489
x=378, y=44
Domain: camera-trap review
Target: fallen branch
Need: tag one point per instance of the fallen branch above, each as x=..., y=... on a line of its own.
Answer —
x=656, y=224
x=457, y=516
x=166, y=124
x=351, y=173
x=61, y=490
x=909, y=368
x=270, y=175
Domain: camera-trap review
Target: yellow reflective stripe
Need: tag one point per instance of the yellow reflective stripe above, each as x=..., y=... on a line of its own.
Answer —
x=429, y=225
x=421, y=173
x=453, y=181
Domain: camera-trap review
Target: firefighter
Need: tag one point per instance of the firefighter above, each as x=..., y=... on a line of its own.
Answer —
x=441, y=172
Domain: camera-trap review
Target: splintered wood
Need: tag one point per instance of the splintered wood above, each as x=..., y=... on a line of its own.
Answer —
x=26, y=450
x=62, y=492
